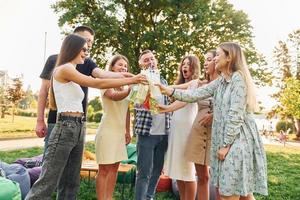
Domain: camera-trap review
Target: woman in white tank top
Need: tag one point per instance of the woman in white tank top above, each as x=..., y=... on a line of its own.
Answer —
x=62, y=161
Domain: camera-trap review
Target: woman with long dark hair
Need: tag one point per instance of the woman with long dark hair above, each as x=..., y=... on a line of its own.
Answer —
x=63, y=158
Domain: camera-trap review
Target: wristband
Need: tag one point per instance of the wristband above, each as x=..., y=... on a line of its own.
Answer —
x=172, y=92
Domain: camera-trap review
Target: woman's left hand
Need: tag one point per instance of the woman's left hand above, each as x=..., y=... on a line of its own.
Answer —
x=127, y=138
x=223, y=152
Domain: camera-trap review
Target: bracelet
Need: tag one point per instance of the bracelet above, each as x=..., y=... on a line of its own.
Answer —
x=172, y=92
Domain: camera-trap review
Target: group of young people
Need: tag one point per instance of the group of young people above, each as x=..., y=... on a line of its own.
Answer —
x=215, y=139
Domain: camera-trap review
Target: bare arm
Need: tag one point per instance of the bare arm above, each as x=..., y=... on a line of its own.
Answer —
x=127, y=133
x=99, y=73
x=41, y=128
x=182, y=86
x=172, y=107
x=116, y=95
x=66, y=73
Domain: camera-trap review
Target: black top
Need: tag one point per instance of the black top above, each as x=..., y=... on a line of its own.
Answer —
x=86, y=68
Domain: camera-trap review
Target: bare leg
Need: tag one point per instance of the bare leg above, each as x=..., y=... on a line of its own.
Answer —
x=218, y=194
x=203, y=178
x=190, y=190
x=233, y=197
x=106, y=180
x=181, y=189
x=111, y=180
x=248, y=197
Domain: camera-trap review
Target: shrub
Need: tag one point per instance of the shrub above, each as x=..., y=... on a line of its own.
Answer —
x=97, y=116
x=25, y=113
x=284, y=125
x=90, y=113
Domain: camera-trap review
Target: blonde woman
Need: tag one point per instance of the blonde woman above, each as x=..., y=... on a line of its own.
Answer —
x=238, y=161
x=113, y=132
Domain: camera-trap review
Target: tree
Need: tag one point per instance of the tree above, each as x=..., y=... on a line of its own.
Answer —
x=15, y=94
x=171, y=28
x=28, y=100
x=287, y=72
x=95, y=104
x=4, y=105
x=290, y=100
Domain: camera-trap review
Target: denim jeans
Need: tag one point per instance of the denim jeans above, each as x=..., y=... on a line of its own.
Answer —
x=62, y=163
x=151, y=152
x=49, y=130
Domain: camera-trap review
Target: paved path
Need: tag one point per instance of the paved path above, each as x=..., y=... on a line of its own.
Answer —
x=273, y=141
x=7, y=145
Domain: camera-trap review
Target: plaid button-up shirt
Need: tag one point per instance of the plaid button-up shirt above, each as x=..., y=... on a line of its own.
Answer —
x=143, y=118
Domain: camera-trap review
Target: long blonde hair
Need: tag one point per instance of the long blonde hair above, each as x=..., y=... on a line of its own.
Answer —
x=238, y=63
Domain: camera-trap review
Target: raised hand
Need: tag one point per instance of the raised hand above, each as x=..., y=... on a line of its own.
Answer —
x=127, y=74
x=164, y=89
x=163, y=108
x=140, y=78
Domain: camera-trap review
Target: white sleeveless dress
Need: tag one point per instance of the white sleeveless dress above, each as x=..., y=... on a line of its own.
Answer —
x=176, y=165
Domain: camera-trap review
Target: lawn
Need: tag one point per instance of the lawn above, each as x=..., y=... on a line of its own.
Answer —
x=283, y=174
x=23, y=127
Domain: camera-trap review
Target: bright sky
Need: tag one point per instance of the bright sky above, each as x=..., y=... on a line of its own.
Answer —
x=23, y=24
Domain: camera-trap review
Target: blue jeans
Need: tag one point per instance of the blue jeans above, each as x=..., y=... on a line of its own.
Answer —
x=150, y=160
x=49, y=130
x=62, y=162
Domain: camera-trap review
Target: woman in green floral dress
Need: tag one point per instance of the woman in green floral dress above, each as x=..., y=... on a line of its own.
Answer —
x=238, y=161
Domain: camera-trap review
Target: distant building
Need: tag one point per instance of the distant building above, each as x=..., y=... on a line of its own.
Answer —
x=4, y=78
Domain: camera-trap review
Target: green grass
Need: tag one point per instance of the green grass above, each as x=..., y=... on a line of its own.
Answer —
x=283, y=174
x=23, y=127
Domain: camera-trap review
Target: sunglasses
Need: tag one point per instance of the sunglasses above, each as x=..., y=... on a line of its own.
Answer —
x=85, y=50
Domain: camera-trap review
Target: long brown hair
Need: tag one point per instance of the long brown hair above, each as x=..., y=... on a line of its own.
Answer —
x=194, y=67
x=70, y=48
x=115, y=59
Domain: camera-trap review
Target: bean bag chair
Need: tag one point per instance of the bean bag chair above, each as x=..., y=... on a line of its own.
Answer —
x=164, y=184
x=132, y=155
x=19, y=174
x=212, y=191
x=34, y=174
x=132, y=159
x=35, y=161
x=10, y=190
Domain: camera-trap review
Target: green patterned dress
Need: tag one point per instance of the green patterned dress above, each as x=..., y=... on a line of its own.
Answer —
x=244, y=169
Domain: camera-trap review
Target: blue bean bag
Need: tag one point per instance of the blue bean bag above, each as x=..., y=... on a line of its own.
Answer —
x=10, y=190
x=19, y=174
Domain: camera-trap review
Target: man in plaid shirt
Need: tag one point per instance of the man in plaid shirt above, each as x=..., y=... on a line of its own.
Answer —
x=152, y=133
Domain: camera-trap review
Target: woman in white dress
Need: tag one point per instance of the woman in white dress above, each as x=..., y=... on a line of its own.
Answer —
x=113, y=132
x=177, y=166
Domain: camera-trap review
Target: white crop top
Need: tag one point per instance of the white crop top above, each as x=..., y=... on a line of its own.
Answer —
x=68, y=96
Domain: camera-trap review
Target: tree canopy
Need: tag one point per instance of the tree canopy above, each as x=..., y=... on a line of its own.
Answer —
x=171, y=28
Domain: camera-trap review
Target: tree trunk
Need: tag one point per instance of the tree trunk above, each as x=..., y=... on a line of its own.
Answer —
x=297, y=125
x=2, y=112
x=13, y=114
